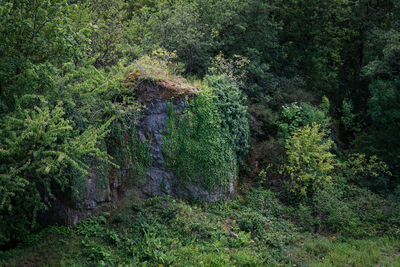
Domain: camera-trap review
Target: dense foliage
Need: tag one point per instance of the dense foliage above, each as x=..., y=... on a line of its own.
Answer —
x=300, y=100
x=254, y=231
x=309, y=161
x=196, y=145
x=40, y=150
x=297, y=115
x=230, y=104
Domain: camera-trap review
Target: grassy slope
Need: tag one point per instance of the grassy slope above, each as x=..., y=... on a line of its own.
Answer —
x=250, y=231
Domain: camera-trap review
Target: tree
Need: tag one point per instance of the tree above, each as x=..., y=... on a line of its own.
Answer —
x=40, y=156
x=381, y=136
x=309, y=162
x=175, y=26
x=108, y=38
x=36, y=38
x=314, y=37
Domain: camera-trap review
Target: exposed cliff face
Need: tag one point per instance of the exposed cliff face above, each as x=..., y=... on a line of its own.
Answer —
x=106, y=186
x=152, y=126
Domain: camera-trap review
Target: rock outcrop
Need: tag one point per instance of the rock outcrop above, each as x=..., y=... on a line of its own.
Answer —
x=160, y=180
x=105, y=186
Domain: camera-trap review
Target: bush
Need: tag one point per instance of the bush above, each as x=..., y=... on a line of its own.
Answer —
x=296, y=115
x=40, y=154
x=367, y=171
x=158, y=66
x=348, y=118
x=230, y=68
x=349, y=210
x=305, y=217
x=309, y=162
x=334, y=213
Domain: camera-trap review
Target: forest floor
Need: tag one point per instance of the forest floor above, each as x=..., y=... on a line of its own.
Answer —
x=253, y=230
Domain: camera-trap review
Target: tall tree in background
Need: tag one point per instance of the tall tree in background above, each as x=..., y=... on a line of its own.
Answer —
x=36, y=38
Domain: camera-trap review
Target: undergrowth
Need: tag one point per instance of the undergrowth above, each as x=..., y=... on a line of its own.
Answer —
x=253, y=230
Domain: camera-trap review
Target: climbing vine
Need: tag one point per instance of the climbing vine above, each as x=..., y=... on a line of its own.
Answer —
x=140, y=155
x=195, y=145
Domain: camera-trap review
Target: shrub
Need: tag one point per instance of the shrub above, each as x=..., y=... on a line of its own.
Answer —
x=349, y=210
x=378, y=214
x=309, y=162
x=334, y=213
x=296, y=115
x=158, y=66
x=231, y=68
x=253, y=222
x=348, y=118
x=40, y=154
x=305, y=217
x=367, y=171
x=95, y=252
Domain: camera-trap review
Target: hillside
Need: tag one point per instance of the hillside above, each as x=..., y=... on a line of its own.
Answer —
x=199, y=133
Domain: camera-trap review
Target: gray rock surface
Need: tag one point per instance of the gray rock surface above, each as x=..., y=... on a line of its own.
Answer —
x=159, y=179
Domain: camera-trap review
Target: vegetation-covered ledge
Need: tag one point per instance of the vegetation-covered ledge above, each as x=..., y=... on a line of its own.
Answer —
x=192, y=150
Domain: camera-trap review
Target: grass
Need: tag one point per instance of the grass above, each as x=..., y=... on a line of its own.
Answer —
x=251, y=231
x=322, y=251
